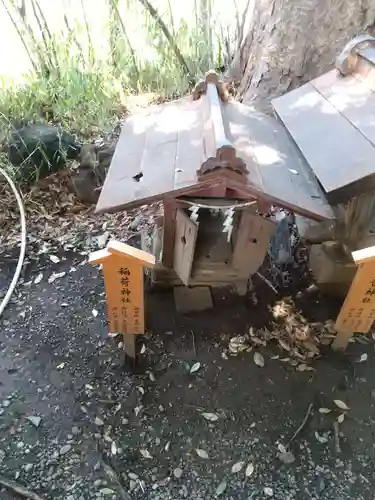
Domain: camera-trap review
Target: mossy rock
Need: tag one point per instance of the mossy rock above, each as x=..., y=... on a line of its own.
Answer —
x=40, y=149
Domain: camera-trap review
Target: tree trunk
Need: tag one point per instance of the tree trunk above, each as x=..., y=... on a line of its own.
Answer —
x=292, y=41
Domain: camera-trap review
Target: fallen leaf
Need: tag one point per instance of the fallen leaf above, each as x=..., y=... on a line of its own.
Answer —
x=341, y=418
x=281, y=448
x=60, y=366
x=268, y=491
x=321, y=439
x=324, y=410
x=145, y=453
x=220, y=489
x=249, y=470
x=167, y=446
x=303, y=367
x=284, y=345
x=34, y=420
x=340, y=404
x=106, y=491
x=98, y=421
x=54, y=259
x=38, y=279
x=152, y=377
x=258, y=359
x=362, y=358
x=195, y=367
x=141, y=390
x=94, y=313
x=212, y=417
x=237, y=467
x=137, y=410
x=113, y=448
x=143, y=349
x=201, y=453
x=54, y=276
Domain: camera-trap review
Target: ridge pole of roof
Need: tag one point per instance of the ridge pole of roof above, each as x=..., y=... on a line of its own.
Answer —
x=224, y=155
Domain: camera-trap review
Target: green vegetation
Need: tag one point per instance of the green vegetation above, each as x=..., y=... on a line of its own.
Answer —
x=82, y=69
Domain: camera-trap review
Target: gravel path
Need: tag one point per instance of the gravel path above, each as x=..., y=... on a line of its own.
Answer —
x=75, y=426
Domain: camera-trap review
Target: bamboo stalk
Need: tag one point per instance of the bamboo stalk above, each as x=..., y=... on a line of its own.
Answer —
x=132, y=51
x=15, y=25
x=155, y=14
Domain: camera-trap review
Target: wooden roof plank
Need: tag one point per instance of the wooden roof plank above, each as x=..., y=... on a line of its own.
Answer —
x=190, y=147
x=159, y=157
x=276, y=166
x=352, y=98
x=336, y=151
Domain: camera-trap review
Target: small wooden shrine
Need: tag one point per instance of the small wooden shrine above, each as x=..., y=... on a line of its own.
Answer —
x=218, y=166
x=331, y=120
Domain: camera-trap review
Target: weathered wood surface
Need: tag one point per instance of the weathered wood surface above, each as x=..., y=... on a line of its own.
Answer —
x=253, y=237
x=357, y=313
x=160, y=150
x=331, y=121
x=186, y=232
x=276, y=167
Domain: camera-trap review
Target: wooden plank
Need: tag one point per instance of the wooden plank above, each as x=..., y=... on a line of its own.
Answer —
x=364, y=255
x=169, y=227
x=352, y=98
x=337, y=153
x=185, y=238
x=190, y=147
x=276, y=166
x=124, y=291
x=146, y=150
x=358, y=311
x=253, y=237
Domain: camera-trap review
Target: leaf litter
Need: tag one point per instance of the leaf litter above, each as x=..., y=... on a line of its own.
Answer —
x=341, y=404
x=201, y=453
x=196, y=366
x=237, y=467
x=57, y=220
x=211, y=417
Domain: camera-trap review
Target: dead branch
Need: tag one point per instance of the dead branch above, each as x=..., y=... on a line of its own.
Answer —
x=301, y=426
x=20, y=490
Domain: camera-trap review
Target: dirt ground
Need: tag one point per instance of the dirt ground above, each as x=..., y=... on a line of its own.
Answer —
x=105, y=433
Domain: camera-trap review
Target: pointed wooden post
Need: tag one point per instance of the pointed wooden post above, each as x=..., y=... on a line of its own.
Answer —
x=123, y=277
x=357, y=314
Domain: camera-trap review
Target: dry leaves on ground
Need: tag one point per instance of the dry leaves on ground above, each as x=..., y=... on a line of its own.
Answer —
x=57, y=221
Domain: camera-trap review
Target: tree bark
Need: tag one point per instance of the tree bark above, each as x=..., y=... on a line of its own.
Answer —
x=293, y=41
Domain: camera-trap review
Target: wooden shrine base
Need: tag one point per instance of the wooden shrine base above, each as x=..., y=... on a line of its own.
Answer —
x=218, y=276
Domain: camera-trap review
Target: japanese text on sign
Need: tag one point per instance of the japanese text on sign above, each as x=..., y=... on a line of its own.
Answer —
x=358, y=311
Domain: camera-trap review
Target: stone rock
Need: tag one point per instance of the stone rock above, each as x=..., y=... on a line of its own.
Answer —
x=40, y=149
x=178, y=472
x=34, y=420
x=65, y=449
x=28, y=467
x=332, y=268
x=84, y=184
x=286, y=457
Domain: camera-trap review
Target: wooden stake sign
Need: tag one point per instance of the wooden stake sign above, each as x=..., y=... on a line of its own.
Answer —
x=358, y=311
x=123, y=277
